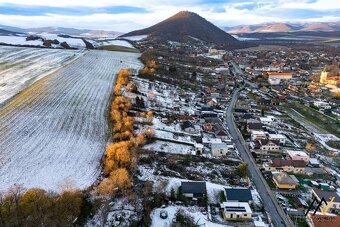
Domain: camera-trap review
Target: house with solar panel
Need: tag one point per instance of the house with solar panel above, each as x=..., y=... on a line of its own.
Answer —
x=236, y=211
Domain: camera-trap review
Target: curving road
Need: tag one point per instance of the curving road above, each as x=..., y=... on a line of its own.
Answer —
x=278, y=217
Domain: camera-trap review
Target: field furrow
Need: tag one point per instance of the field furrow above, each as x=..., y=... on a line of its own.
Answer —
x=57, y=128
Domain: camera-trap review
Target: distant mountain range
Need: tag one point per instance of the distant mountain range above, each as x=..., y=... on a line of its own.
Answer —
x=284, y=27
x=60, y=30
x=186, y=26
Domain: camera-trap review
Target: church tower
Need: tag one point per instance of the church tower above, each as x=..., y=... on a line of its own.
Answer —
x=323, y=77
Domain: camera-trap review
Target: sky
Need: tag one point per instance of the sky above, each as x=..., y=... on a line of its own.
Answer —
x=128, y=15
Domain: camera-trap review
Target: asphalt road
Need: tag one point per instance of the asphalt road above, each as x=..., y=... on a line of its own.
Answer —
x=277, y=215
x=238, y=72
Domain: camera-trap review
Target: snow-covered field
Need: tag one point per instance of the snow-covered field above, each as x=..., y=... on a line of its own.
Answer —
x=136, y=37
x=57, y=129
x=73, y=42
x=108, y=42
x=20, y=67
x=19, y=40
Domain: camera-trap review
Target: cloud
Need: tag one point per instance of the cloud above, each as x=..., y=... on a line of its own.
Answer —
x=23, y=10
x=128, y=15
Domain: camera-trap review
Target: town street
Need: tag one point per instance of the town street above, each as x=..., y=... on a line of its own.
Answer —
x=278, y=217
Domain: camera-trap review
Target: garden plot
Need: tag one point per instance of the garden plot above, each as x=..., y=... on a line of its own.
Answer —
x=21, y=67
x=169, y=147
x=56, y=130
x=199, y=218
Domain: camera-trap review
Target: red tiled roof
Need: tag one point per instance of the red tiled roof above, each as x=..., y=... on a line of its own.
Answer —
x=282, y=162
x=265, y=142
x=221, y=133
x=325, y=220
x=279, y=73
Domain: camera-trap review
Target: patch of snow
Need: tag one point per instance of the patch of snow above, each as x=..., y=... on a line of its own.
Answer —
x=136, y=37
x=213, y=191
x=119, y=43
x=110, y=41
x=16, y=40
x=256, y=197
x=20, y=67
x=195, y=212
x=169, y=147
x=72, y=42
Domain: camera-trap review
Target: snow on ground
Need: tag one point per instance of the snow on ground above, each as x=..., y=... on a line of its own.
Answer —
x=157, y=124
x=174, y=183
x=136, y=37
x=170, y=136
x=327, y=137
x=72, y=42
x=120, y=213
x=213, y=190
x=199, y=218
x=57, y=128
x=323, y=138
x=217, y=56
x=108, y=42
x=19, y=40
x=175, y=128
x=118, y=43
x=276, y=112
x=146, y=173
x=256, y=197
x=169, y=147
x=20, y=67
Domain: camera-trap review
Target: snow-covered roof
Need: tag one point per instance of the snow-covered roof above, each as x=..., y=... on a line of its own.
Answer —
x=218, y=145
x=267, y=119
x=199, y=145
x=258, y=132
x=276, y=136
x=297, y=153
x=314, y=161
x=211, y=140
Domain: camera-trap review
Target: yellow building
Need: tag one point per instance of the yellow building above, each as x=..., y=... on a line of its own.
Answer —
x=329, y=80
x=323, y=77
x=284, y=181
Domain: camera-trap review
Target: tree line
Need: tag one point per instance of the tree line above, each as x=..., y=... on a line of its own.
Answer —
x=37, y=207
x=120, y=157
